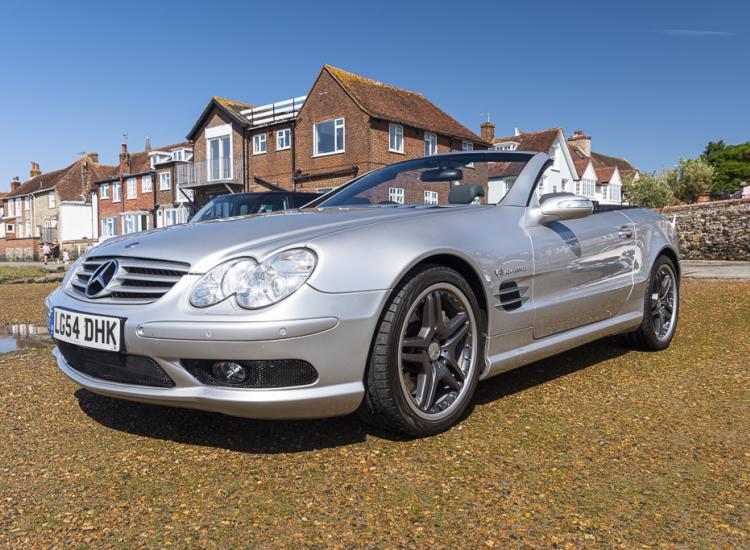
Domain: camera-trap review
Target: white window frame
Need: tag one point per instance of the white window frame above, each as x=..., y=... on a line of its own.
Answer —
x=11, y=209
x=396, y=194
x=136, y=218
x=165, y=181
x=147, y=180
x=104, y=191
x=337, y=123
x=27, y=228
x=131, y=188
x=283, y=136
x=27, y=204
x=51, y=199
x=430, y=144
x=116, y=191
x=395, y=138
x=10, y=228
x=260, y=143
x=431, y=197
x=109, y=227
x=467, y=147
x=170, y=213
x=225, y=171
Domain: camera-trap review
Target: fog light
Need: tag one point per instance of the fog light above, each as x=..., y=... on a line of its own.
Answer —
x=230, y=372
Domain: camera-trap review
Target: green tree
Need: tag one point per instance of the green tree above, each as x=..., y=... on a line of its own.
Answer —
x=690, y=178
x=649, y=190
x=731, y=166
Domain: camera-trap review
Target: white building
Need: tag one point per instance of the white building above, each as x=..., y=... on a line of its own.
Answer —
x=575, y=168
x=560, y=177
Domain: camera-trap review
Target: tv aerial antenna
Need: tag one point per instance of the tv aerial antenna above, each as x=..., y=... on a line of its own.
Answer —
x=486, y=115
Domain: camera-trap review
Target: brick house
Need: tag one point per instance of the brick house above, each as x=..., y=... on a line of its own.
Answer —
x=219, y=138
x=346, y=125
x=54, y=207
x=142, y=193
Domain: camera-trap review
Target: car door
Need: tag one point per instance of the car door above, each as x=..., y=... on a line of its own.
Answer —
x=583, y=270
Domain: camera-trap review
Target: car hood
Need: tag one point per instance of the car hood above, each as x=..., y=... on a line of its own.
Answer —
x=205, y=244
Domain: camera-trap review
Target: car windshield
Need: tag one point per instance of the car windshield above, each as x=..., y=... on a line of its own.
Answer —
x=440, y=180
x=227, y=206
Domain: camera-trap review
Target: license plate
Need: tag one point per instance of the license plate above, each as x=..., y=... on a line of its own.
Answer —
x=91, y=331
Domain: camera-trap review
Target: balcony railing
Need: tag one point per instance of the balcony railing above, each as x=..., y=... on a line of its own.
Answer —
x=224, y=170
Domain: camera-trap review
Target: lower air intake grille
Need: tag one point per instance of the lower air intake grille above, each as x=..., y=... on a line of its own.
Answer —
x=115, y=367
x=279, y=373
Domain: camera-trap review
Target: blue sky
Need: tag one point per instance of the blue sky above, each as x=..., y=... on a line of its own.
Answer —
x=650, y=81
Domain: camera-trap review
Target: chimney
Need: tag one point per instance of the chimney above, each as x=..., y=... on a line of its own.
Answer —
x=488, y=131
x=582, y=141
x=94, y=157
x=15, y=183
x=35, y=171
x=124, y=159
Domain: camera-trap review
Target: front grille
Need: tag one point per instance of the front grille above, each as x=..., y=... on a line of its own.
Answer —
x=137, y=280
x=115, y=367
x=272, y=373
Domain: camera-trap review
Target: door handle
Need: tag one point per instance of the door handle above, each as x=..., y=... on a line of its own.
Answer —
x=625, y=232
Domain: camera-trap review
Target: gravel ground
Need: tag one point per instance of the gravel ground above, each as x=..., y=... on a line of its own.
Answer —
x=597, y=447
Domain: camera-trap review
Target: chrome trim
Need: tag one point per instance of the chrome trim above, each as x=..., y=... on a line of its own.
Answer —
x=137, y=281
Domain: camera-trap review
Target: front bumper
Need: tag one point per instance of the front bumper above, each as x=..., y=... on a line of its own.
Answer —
x=332, y=332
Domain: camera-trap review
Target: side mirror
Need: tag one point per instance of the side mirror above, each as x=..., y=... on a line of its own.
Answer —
x=557, y=207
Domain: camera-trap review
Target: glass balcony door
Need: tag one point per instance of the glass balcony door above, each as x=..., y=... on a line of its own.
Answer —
x=219, y=159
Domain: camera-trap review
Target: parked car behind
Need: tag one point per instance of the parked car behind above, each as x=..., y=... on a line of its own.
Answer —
x=242, y=204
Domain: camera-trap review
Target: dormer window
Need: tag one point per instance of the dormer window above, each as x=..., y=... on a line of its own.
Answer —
x=157, y=157
x=183, y=154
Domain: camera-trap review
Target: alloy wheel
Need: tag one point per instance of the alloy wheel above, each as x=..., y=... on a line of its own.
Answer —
x=438, y=351
x=663, y=301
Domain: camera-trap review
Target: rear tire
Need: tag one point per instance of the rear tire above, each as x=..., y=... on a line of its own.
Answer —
x=660, y=308
x=426, y=355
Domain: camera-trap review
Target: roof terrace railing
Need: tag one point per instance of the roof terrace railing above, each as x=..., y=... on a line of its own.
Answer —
x=274, y=112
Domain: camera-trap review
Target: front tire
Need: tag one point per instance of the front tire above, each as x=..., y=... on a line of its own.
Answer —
x=426, y=355
x=660, y=308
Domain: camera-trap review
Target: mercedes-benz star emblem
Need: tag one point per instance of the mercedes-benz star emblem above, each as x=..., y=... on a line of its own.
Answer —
x=101, y=278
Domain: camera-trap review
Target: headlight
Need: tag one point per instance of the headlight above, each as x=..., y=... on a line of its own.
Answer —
x=255, y=285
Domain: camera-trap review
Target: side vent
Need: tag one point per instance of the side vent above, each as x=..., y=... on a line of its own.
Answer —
x=511, y=295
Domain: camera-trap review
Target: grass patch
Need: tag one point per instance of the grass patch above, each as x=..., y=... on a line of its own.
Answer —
x=8, y=273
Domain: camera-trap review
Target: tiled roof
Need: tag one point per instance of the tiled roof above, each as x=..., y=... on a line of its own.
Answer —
x=69, y=182
x=234, y=106
x=580, y=160
x=387, y=102
x=605, y=160
x=540, y=142
x=229, y=106
x=604, y=173
x=504, y=169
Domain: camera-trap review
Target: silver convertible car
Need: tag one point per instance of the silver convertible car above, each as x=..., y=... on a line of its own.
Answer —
x=392, y=296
